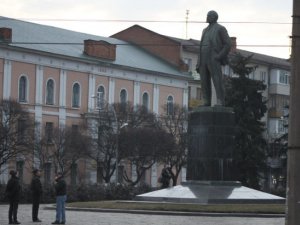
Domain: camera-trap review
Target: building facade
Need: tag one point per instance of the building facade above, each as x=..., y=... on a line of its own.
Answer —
x=57, y=73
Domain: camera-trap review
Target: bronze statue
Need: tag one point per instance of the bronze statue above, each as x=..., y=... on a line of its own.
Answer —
x=215, y=45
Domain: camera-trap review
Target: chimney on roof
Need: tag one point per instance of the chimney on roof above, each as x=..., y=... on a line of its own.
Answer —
x=100, y=49
x=233, y=44
x=5, y=34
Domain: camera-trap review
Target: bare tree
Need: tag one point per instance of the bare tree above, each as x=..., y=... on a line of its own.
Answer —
x=141, y=147
x=104, y=144
x=63, y=147
x=175, y=123
x=16, y=131
x=111, y=120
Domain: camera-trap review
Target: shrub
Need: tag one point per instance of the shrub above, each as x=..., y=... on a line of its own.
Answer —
x=83, y=192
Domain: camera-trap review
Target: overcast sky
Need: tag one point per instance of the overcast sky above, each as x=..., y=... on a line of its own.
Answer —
x=261, y=26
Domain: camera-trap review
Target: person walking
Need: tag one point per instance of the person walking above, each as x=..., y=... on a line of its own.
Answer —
x=61, y=197
x=12, y=191
x=36, y=189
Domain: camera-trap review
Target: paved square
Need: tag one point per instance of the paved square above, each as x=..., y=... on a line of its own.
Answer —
x=95, y=218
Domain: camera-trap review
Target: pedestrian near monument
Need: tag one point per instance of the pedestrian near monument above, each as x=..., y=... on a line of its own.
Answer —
x=61, y=197
x=12, y=192
x=215, y=45
x=36, y=190
x=165, y=177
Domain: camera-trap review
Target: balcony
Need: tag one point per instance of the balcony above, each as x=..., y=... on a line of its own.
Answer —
x=281, y=89
x=275, y=113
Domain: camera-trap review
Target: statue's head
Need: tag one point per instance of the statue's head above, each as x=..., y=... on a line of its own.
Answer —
x=212, y=16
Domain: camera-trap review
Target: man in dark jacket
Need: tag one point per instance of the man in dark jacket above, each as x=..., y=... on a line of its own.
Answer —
x=36, y=189
x=61, y=197
x=13, y=193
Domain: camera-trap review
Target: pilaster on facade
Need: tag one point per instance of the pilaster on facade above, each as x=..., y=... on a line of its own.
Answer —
x=111, y=93
x=62, y=98
x=183, y=174
x=63, y=88
x=185, y=101
x=156, y=99
x=7, y=79
x=133, y=172
x=137, y=93
x=92, y=98
x=154, y=175
x=38, y=137
x=39, y=77
x=62, y=117
x=4, y=173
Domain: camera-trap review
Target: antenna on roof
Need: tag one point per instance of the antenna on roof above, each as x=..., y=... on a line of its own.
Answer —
x=186, y=23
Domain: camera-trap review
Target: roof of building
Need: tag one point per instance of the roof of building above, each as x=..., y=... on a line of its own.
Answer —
x=193, y=45
x=67, y=43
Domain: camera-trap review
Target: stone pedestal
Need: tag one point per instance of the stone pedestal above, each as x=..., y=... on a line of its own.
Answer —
x=209, y=168
x=211, y=138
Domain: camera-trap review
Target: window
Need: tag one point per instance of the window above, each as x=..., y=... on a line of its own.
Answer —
x=50, y=92
x=21, y=130
x=251, y=75
x=20, y=169
x=263, y=76
x=23, y=89
x=75, y=128
x=198, y=94
x=120, y=173
x=100, y=97
x=49, y=132
x=73, y=174
x=188, y=62
x=76, y=95
x=145, y=100
x=282, y=126
x=170, y=105
x=99, y=173
x=284, y=77
x=47, y=173
x=123, y=96
x=227, y=70
x=272, y=100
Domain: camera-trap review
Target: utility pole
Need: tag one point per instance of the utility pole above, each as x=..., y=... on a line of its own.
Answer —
x=293, y=187
x=186, y=23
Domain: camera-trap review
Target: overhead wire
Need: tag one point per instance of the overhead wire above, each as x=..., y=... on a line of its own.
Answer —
x=141, y=44
x=146, y=21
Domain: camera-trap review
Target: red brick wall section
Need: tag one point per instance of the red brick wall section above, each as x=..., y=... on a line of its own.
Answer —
x=100, y=49
x=5, y=34
x=154, y=43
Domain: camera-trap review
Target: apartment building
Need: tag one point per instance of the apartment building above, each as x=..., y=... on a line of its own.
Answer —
x=56, y=73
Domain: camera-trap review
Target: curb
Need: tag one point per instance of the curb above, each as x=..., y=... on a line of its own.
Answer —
x=170, y=213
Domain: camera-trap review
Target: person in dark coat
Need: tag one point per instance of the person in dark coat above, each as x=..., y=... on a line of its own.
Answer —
x=36, y=190
x=61, y=197
x=12, y=191
x=165, y=177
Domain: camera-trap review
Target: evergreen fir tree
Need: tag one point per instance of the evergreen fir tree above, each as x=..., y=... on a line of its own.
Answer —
x=244, y=95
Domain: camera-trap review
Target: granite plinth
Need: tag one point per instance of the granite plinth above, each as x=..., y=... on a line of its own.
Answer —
x=210, y=192
x=211, y=132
